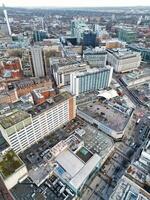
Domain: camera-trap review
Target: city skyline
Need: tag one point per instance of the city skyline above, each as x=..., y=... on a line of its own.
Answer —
x=77, y=3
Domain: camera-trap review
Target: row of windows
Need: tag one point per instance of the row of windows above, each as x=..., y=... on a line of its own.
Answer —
x=94, y=81
x=35, y=132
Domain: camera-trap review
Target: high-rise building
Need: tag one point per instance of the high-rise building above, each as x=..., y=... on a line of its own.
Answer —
x=127, y=35
x=37, y=61
x=3, y=28
x=78, y=27
x=6, y=19
x=123, y=60
x=21, y=129
x=95, y=57
x=89, y=38
x=94, y=79
x=39, y=35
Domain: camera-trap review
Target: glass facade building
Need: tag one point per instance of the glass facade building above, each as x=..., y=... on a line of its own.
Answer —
x=127, y=35
x=145, y=53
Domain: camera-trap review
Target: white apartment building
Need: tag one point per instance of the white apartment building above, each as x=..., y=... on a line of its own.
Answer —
x=92, y=80
x=22, y=129
x=123, y=60
x=62, y=72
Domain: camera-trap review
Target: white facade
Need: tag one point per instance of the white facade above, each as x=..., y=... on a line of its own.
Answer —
x=123, y=60
x=41, y=125
x=37, y=62
x=62, y=74
x=92, y=80
x=7, y=20
x=18, y=176
x=145, y=155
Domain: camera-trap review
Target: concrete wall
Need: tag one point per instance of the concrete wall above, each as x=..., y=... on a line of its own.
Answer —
x=12, y=180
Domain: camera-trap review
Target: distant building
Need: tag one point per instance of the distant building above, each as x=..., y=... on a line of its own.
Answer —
x=37, y=61
x=114, y=44
x=6, y=19
x=145, y=52
x=21, y=128
x=4, y=29
x=95, y=57
x=123, y=60
x=92, y=80
x=39, y=35
x=127, y=35
x=89, y=38
x=78, y=27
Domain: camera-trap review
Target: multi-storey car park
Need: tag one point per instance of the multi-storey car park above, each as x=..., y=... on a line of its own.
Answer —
x=65, y=168
x=23, y=128
x=110, y=117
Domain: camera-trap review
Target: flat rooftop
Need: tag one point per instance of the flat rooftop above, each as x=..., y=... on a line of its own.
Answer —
x=140, y=46
x=97, y=51
x=72, y=169
x=29, y=81
x=27, y=190
x=73, y=67
x=105, y=114
x=127, y=189
x=49, y=103
x=9, y=163
x=70, y=162
x=40, y=174
x=13, y=118
x=136, y=74
x=97, y=141
x=84, y=173
x=123, y=53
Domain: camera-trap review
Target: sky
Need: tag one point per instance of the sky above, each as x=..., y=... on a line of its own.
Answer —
x=74, y=3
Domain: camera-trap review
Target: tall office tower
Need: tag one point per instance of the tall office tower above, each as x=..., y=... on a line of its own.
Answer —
x=37, y=61
x=123, y=60
x=89, y=38
x=93, y=80
x=39, y=35
x=78, y=27
x=7, y=20
x=21, y=128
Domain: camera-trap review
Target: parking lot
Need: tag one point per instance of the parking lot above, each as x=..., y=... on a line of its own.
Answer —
x=33, y=155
